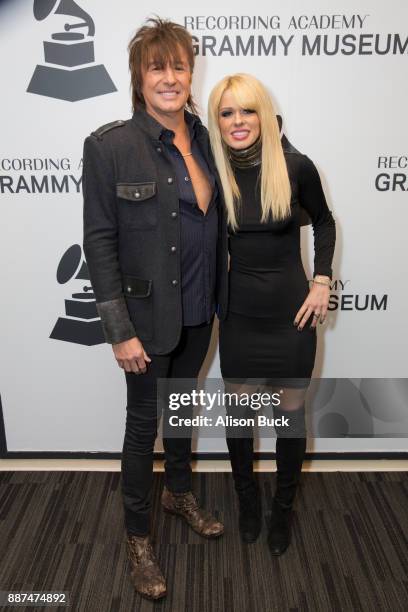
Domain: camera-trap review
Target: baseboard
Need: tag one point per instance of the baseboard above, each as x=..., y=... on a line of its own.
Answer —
x=352, y=456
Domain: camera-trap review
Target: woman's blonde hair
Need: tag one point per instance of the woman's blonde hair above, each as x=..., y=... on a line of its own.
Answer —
x=249, y=93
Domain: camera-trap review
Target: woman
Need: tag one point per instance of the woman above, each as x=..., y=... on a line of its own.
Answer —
x=268, y=339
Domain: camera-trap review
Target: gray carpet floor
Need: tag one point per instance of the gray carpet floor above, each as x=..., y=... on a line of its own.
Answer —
x=63, y=531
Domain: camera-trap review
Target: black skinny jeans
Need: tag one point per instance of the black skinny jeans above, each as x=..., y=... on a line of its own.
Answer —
x=184, y=361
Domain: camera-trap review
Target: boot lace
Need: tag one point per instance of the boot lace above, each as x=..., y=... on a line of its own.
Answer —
x=189, y=503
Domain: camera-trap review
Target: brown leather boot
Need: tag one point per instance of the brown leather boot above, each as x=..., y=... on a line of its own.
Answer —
x=186, y=506
x=146, y=575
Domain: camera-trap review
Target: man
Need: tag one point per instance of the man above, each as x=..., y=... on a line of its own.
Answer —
x=156, y=246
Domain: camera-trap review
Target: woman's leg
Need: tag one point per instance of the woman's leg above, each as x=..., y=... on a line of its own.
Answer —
x=240, y=444
x=240, y=440
x=290, y=452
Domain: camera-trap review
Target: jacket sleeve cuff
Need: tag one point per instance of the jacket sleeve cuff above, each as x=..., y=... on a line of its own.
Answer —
x=116, y=323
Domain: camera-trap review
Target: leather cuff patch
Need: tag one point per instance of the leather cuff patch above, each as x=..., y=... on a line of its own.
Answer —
x=116, y=323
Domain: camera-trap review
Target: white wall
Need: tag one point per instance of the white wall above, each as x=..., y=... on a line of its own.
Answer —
x=344, y=111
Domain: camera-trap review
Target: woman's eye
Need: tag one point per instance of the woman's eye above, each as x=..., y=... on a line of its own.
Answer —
x=249, y=111
x=225, y=113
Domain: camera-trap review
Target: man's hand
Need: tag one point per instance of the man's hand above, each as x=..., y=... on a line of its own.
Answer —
x=131, y=356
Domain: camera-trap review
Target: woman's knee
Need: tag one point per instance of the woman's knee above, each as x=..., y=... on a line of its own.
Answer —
x=290, y=423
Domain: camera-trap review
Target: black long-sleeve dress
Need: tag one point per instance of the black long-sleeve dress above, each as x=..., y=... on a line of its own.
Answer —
x=267, y=281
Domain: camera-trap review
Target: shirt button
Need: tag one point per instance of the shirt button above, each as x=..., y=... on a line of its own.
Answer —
x=174, y=283
x=173, y=249
x=158, y=149
x=129, y=289
x=169, y=180
x=137, y=194
x=173, y=215
x=186, y=178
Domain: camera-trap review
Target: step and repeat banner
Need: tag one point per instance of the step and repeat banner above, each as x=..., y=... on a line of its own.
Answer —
x=337, y=75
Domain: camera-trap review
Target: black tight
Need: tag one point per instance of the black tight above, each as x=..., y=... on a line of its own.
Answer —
x=291, y=406
x=290, y=443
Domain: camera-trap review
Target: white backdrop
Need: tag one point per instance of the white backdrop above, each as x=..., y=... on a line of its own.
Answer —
x=341, y=89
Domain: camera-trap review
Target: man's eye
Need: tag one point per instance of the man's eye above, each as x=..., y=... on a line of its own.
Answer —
x=180, y=67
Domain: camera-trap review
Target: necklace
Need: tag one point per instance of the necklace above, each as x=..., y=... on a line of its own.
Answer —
x=246, y=158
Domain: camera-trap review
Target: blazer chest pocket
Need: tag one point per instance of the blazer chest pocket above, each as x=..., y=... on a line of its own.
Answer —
x=139, y=300
x=137, y=204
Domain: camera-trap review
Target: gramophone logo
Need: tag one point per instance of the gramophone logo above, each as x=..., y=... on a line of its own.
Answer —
x=81, y=323
x=70, y=72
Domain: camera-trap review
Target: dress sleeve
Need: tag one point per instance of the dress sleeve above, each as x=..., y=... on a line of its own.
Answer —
x=312, y=199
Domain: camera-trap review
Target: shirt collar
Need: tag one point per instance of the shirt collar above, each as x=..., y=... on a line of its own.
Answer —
x=156, y=130
x=167, y=135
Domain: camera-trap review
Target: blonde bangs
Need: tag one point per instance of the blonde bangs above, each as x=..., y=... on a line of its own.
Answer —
x=244, y=95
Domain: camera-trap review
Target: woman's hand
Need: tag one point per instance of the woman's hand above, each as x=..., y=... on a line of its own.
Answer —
x=315, y=304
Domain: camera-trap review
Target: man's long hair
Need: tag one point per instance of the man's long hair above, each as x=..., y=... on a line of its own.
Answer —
x=159, y=41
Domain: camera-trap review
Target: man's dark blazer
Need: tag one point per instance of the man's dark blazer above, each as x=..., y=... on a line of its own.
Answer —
x=132, y=232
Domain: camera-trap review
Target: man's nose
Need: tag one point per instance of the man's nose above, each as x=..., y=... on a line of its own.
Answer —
x=170, y=75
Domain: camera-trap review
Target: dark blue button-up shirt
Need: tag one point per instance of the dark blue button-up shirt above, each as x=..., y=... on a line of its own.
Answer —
x=198, y=241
